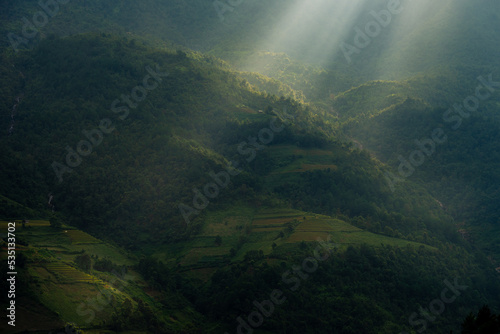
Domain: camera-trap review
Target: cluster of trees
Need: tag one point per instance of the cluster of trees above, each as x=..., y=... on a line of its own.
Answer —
x=462, y=172
x=358, y=289
x=485, y=322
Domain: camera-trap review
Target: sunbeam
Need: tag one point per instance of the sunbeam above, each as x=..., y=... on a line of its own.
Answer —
x=356, y=35
x=311, y=30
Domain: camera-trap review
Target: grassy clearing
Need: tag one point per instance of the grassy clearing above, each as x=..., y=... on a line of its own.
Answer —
x=46, y=237
x=314, y=226
x=307, y=236
x=116, y=255
x=273, y=221
x=319, y=226
x=38, y=223
x=65, y=243
x=226, y=226
x=19, y=227
x=65, y=300
x=68, y=274
x=325, y=224
x=372, y=239
x=245, y=229
x=299, y=160
x=80, y=237
x=266, y=229
x=277, y=213
x=258, y=237
x=227, y=222
x=245, y=113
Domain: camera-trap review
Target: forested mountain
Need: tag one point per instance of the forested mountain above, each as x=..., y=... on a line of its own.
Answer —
x=250, y=166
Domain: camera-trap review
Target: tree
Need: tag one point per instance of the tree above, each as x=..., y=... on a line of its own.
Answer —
x=84, y=262
x=484, y=323
x=55, y=221
x=127, y=308
x=218, y=240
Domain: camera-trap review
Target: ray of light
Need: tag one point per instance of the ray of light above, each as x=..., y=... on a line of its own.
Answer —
x=416, y=37
x=311, y=29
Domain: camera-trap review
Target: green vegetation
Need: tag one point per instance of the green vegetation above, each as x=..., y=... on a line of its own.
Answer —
x=484, y=322
x=104, y=244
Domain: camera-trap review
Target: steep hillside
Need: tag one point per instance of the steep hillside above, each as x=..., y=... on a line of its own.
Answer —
x=459, y=144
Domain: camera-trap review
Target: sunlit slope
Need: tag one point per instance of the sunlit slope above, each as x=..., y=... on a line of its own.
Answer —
x=282, y=39
x=397, y=120
x=55, y=277
x=243, y=229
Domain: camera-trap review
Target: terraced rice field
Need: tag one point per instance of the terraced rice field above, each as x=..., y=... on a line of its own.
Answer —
x=67, y=274
x=226, y=226
x=38, y=223
x=322, y=227
x=266, y=229
x=79, y=237
x=307, y=236
x=33, y=223
x=205, y=255
x=314, y=226
x=273, y=222
x=5, y=224
x=277, y=213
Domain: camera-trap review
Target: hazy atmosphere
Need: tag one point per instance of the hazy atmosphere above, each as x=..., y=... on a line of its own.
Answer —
x=250, y=166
